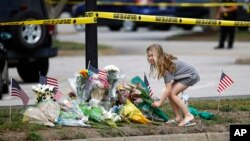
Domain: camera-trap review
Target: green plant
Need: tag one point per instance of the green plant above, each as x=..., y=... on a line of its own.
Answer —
x=34, y=136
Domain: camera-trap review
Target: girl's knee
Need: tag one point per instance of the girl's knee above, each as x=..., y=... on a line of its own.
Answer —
x=172, y=94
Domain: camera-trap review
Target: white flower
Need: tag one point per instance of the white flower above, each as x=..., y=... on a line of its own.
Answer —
x=107, y=115
x=44, y=92
x=111, y=68
x=117, y=118
x=34, y=88
x=51, y=88
x=111, y=115
x=94, y=102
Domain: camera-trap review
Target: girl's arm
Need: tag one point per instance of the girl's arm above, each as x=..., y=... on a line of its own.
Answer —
x=164, y=96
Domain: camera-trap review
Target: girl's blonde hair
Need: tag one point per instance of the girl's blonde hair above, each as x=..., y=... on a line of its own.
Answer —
x=163, y=61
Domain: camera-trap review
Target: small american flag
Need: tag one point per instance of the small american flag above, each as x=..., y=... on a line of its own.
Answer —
x=101, y=73
x=17, y=91
x=48, y=81
x=147, y=84
x=58, y=95
x=225, y=82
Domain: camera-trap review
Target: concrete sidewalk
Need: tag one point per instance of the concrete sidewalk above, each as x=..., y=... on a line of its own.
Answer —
x=224, y=136
x=208, y=62
x=209, y=67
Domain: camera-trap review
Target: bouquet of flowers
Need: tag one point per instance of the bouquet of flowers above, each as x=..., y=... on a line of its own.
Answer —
x=97, y=91
x=81, y=84
x=112, y=72
x=44, y=92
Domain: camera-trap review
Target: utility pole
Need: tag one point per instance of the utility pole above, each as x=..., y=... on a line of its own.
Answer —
x=91, y=51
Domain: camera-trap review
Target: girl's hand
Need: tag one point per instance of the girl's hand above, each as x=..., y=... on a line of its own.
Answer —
x=156, y=104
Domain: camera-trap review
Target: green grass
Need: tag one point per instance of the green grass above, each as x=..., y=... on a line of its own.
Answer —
x=34, y=136
x=15, y=123
x=231, y=111
x=225, y=105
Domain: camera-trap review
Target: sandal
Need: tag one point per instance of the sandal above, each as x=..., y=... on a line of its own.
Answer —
x=172, y=121
x=187, y=123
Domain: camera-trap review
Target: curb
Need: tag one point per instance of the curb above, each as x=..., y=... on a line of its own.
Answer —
x=223, y=136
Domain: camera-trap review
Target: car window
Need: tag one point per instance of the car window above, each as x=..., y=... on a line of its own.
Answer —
x=8, y=8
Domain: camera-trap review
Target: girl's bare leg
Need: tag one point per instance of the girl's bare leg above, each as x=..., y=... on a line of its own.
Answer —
x=178, y=88
x=176, y=109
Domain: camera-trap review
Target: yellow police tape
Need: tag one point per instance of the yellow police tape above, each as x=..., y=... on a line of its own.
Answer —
x=165, y=19
x=91, y=17
x=83, y=20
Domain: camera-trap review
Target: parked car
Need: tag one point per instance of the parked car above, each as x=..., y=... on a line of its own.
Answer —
x=29, y=46
x=115, y=25
x=192, y=12
x=67, y=6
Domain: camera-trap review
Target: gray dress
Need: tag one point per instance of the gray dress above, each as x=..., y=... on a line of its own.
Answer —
x=185, y=74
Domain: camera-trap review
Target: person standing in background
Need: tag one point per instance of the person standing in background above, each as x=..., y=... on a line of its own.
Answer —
x=227, y=13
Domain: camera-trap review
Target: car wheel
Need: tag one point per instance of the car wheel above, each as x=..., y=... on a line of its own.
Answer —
x=187, y=27
x=160, y=26
x=79, y=27
x=129, y=26
x=28, y=37
x=30, y=71
x=115, y=27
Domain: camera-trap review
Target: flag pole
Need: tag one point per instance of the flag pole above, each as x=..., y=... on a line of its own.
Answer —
x=88, y=64
x=10, y=104
x=218, y=109
x=219, y=105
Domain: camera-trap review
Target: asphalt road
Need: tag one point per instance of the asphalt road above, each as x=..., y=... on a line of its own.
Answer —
x=132, y=62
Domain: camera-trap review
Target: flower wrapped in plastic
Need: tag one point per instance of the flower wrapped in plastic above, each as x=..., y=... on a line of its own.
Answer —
x=99, y=114
x=35, y=115
x=72, y=122
x=81, y=84
x=71, y=108
x=145, y=105
x=112, y=77
x=43, y=92
x=110, y=117
x=51, y=109
x=98, y=91
x=130, y=111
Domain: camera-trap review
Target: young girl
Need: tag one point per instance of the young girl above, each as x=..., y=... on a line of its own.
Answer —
x=178, y=76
